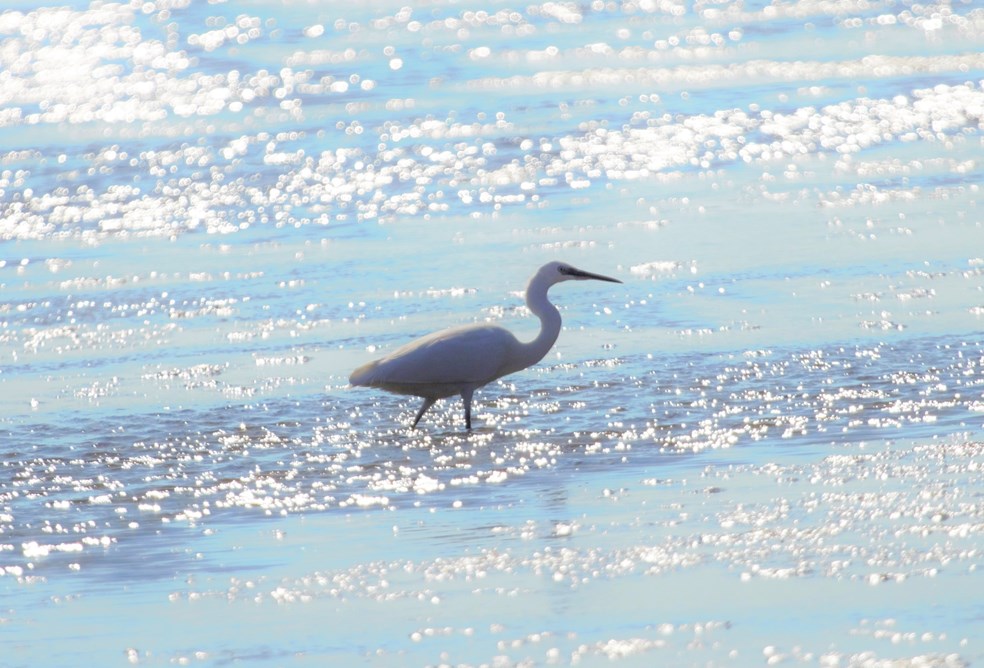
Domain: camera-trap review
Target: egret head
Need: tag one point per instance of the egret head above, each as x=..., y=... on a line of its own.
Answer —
x=555, y=272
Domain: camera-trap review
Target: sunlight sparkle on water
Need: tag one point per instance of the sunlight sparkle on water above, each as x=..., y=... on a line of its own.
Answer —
x=210, y=215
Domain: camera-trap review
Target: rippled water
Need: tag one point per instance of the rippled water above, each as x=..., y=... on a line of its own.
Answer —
x=765, y=446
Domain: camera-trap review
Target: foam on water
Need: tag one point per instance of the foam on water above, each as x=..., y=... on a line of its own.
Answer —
x=209, y=216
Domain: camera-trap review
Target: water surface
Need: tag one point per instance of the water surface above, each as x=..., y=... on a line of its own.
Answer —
x=765, y=446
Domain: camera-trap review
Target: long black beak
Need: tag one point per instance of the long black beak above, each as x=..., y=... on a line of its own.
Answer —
x=584, y=275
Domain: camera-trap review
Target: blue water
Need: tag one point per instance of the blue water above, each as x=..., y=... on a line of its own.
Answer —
x=765, y=445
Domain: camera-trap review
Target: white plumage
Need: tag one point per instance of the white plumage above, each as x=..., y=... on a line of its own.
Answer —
x=461, y=359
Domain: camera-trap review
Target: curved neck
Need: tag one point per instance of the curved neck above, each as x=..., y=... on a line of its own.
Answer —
x=537, y=302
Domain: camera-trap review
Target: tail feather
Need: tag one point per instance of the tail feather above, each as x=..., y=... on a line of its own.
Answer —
x=364, y=375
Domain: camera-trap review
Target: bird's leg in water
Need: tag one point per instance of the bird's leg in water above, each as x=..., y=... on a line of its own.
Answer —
x=466, y=396
x=423, y=409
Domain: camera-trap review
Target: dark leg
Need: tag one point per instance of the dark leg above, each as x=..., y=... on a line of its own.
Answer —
x=466, y=396
x=423, y=409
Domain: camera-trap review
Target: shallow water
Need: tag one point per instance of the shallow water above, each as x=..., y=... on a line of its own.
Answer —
x=763, y=447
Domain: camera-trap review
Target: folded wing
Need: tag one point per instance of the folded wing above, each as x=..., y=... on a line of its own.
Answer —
x=448, y=360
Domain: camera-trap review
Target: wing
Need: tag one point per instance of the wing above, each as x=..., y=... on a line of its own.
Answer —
x=463, y=355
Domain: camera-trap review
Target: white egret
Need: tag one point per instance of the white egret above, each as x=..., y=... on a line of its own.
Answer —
x=462, y=359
